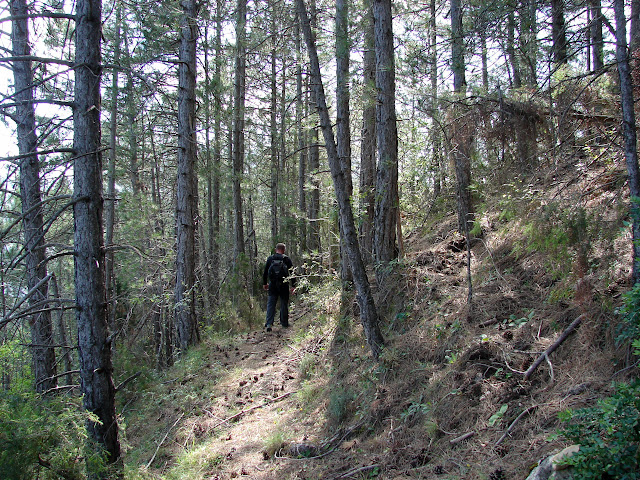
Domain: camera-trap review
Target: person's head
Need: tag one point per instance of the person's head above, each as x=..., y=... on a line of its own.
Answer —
x=280, y=248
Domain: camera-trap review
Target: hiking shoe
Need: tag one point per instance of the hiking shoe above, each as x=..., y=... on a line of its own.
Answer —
x=268, y=328
x=285, y=325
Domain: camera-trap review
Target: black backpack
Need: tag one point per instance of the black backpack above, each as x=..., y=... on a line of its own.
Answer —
x=278, y=271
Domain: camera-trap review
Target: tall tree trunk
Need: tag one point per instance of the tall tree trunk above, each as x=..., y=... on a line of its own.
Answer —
x=528, y=41
x=62, y=330
x=457, y=48
x=187, y=183
x=110, y=204
x=511, y=50
x=484, y=53
x=217, y=154
x=94, y=345
x=238, y=124
x=368, y=145
x=302, y=156
x=273, y=128
x=461, y=136
x=629, y=132
x=368, y=313
x=558, y=32
x=42, y=351
x=209, y=169
x=343, y=127
x=435, y=127
x=635, y=25
x=314, y=160
x=386, y=212
x=597, y=42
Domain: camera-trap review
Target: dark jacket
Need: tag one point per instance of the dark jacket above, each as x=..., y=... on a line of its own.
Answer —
x=265, y=275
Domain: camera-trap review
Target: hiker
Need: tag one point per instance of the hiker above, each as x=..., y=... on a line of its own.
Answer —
x=279, y=284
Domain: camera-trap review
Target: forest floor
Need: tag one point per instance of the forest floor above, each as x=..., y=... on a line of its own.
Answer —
x=448, y=399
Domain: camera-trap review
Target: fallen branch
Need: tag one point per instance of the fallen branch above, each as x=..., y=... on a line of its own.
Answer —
x=255, y=407
x=513, y=424
x=354, y=471
x=124, y=382
x=164, y=439
x=551, y=349
x=461, y=438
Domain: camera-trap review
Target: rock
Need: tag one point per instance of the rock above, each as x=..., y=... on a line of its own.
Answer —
x=565, y=454
x=549, y=468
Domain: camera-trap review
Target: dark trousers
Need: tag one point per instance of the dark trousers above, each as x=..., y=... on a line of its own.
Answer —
x=283, y=295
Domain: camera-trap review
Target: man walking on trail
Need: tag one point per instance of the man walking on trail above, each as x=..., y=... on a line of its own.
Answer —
x=277, y=281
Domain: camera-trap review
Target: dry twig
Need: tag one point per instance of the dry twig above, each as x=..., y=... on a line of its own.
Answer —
x=553, y=347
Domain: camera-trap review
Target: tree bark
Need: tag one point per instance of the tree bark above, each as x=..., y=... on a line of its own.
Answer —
x=42, y=351
x=62, y=331
x=438, y=176
x=634, y=42
x=343, y=126
x=314, y=161
x=457, y=47
x=368, y=313
x=368, y=144
x=187, y=183
x=94, y=346
x=511, y=50
x=217, y=154
x=302, y=156
x=558, y=32
x=386, y=210
x=597, y=42
x=110, y=204
x=629, y=132
x=273, y=128
x=238, y=124
x=528, y=41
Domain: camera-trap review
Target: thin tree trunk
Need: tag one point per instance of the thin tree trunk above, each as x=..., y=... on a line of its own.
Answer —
x=634, y=42
x=42, y=351
x=209, y=260
x=275, y=170
x=238, y=124
x=435, y=127
x=217, y=154
x=461, y=136
x=368, y=144
x=511, y=50
x=94, y=346
x=386, y=212
x=343, y=127
x=186, y=189
x=558, y=32
x=314, y=161
x=110, y=204
x=368, y=313
x=629, y=132
x=485, y=60
x=302, y=156
x=528, y=40
x=62, y=331
x=597, y=42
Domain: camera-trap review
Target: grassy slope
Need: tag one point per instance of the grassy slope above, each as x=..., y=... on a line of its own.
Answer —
x=246, y=406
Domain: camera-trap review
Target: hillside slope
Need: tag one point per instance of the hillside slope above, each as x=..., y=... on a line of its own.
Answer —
x=448, y=399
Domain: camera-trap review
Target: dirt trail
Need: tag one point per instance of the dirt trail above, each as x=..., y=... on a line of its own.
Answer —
x=255, y=405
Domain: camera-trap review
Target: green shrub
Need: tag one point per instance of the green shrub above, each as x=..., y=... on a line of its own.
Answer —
x=42, y=438
x=609, y=436
x=340, y=402
x=629, y=328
